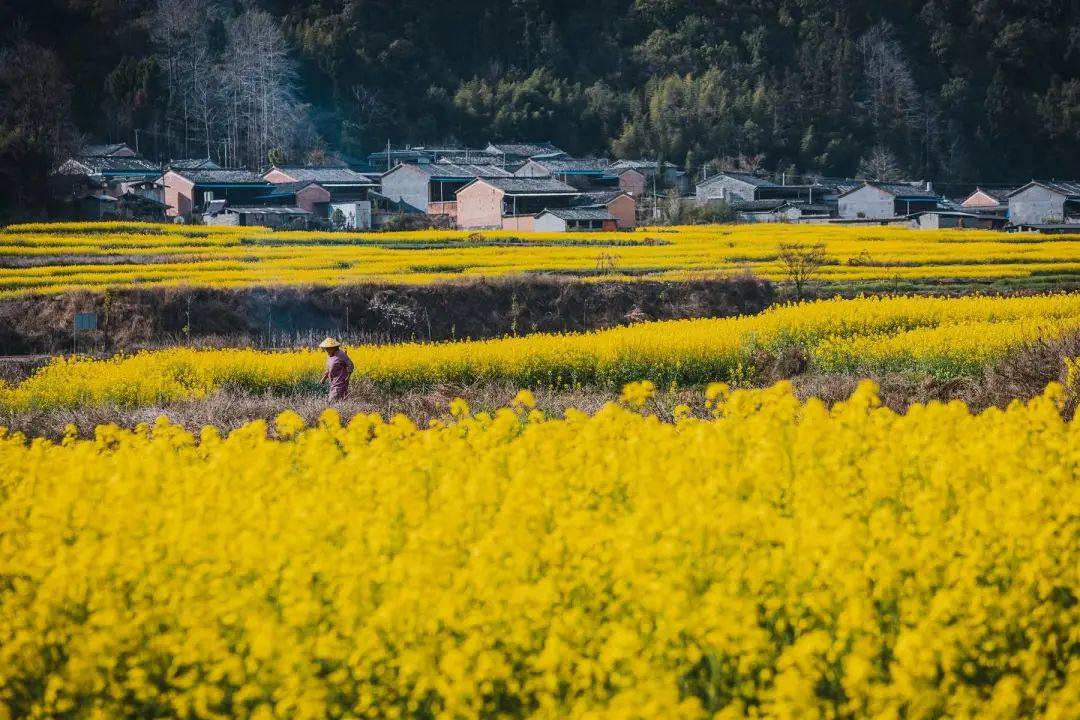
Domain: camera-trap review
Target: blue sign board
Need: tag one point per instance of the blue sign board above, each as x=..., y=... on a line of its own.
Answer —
x=85, y=321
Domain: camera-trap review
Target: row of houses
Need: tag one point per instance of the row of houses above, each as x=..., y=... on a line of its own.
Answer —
x=1046, y=206
x=517, y=186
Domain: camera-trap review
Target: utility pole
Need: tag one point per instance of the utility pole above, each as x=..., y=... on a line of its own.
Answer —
x=136, y=139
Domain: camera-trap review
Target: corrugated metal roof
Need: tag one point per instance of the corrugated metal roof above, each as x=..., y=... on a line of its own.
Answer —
x=267, y=210
x=759, y=205
x=530, y=186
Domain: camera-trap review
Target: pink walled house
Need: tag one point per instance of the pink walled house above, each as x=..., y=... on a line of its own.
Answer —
x=479, y=205
x=632, y=182
x=509, y=202
x=188, y=191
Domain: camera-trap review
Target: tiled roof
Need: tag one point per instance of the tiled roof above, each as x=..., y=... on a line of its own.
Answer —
x=1070, y=188
x=103, y=164
x=569, y=165
x=332, y=175
x=287, y=188
x=105, y=150
x=524, y=149
x=222, y=177
x=455, y=170
x=267, y=209
x=530, y=186
x=597, y=197
x=579, y=213
x=905, y=190
x=193, y=164
x=742, y=177
x=759, y=205
x=998, y=194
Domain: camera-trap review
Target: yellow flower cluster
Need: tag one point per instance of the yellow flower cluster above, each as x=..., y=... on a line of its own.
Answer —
x=946, y=337
x=65, y=256
x=779, y=559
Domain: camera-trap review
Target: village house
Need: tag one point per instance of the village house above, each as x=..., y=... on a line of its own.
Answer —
x=117, y=186
x=306, y=195
x=669, y=176
x=510, y=203
x=987, y=200
x=739, y=186
x=574, y=219
x=432, y=187
x=621, y=205
x=348, y=191
x=777, y=210
x=514, y=155
x=582, y=173
x=878, y=201
x=628, y=180
x=188, y=192
x=1054, y=202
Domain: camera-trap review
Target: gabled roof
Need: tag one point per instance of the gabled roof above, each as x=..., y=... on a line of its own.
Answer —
x=324, y=175
x=898, y=190
x=454, y=171
x=598, y=197
x=287, y=189
x=999, y=194
x=569, y=166
x=193, y=164
x=221, y=177
x=528, y=186
x=645, y=165
x=1068, y=188
x=578, y=213
x=525, y=149
x=267, y=209
x=108, y=150
x=108, y=165
x=760, y=205
x=747, y=178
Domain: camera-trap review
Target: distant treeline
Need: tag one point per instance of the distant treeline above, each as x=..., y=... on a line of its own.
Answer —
x=946, y=90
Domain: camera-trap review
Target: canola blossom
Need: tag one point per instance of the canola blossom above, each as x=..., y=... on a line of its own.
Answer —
x=49, y=258
x=945, y=337
x=778, y=559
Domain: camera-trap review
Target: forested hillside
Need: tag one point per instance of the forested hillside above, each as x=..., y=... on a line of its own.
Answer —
x=986, y=89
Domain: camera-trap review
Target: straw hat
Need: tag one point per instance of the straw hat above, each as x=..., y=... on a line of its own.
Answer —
x=329, y=343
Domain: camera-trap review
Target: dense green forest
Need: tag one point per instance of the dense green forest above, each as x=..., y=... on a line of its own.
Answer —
x=948, y=90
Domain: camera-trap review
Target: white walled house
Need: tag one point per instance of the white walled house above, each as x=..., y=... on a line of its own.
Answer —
x=1039, y=203
x=881, y=201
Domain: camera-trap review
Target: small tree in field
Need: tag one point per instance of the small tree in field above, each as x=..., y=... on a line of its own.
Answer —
x=337, y=219
x=801, y=263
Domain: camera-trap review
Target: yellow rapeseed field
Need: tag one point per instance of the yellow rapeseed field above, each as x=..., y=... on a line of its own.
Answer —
x=778, y=559
x=946, y=337
x=52, y=258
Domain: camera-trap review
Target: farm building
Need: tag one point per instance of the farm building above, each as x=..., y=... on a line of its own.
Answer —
x=510, y=202
x=628, y=180
x=1045, y=203
x=621, y=205
x=777, y=210
x=582, y=173
x=220, y=212
x=576, y=218
x=669, y=176
x=956, y=219
x=188, y=192
x=432, y=187
x=878, y=201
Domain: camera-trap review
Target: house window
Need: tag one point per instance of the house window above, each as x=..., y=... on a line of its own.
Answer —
x=208, y=196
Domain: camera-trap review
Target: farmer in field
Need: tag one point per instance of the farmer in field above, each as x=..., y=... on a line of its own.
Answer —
x=338, y=369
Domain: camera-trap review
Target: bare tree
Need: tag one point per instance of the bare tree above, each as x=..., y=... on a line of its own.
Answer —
x=890, y=93
x=801, y=262
x=879, y=164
